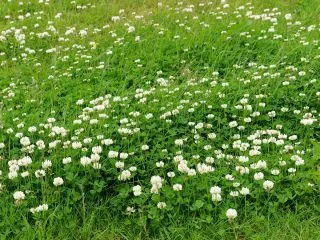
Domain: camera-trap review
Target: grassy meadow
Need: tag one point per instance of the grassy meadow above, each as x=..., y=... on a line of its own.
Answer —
x=144, y=119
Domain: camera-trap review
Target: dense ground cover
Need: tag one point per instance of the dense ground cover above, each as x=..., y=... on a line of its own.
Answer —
x=168, y=120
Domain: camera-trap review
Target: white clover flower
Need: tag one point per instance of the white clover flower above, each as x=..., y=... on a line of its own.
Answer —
x=97, y=149
x=131, y=29
x=123, y=155
x=293, y=137
x=25, y=174
x=178, y=158
x=80, y=102
x=136, y=190
x=209, y=160
x=292, y=170
x=57, y=181
x=100, y=137
x=268, y=185
x=9, y=130
x=212, y=135
x=115, y=18
x=77, y=121
x=204, y=168
x=130, y=210
x=96, y=165
x=40, y=173
x=25, y=141
x=191, y=172
x=85, y=161
x=258, y=176
x=215, y=190
x=19, y=196
x=107, y=142
x=282, y=163
x=40, y=208
x=299, y=162
x=83, y=33
x=231, y=214
x=125, y=175
x=160, y=164
x=171, y=174
x=244, y=191
x=236, y=184
x=32, y=129
x=272, y=114
x=161, y=205
x=149, y=116
x=119, y=164
x=177, y=187
x=113, y=154
x=233, y=124
x=229, y=177
x=234, y=193
x=144, y=147
x=51, y=120
x=156, y=182
x=25, y=161
x=178, y=142
x=12, y=174
x=46, y=164
x=133, y=169
x=216, y=198
x=40, y=144
x=254, y=152
x=288, y=16
x=76, y=145
x=307, y=121
x=207, y=147
x=95, y=158
x=66, y=160
x=243, y=159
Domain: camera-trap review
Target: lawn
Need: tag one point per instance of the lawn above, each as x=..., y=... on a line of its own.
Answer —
x=142, y=119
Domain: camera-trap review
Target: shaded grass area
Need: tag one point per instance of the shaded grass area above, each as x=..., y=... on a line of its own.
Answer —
x=299, y=221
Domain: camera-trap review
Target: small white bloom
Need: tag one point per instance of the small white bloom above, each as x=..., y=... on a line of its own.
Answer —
x=19, y=196
x=161, y=205
x=160, y=164
x=58, y=181
x=144, y=147
x=268, y=185
x=215, y=190
x=231, y=213
x=136, y=190
x=244, y=191
x=126, y=174
x=40, y=173
x=177, y=187
x=119, y=164
x=85, y=161
x=131, y=29
x=66, y=160
x=47, y=164
x=258, y=176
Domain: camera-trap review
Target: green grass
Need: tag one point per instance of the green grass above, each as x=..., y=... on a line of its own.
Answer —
x=184, y=48
x=285, y=224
